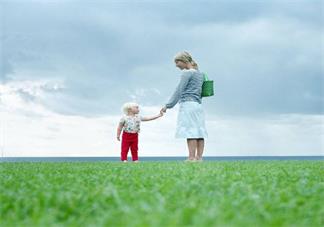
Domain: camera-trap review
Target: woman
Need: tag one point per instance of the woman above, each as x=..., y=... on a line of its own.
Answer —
x=191, y=122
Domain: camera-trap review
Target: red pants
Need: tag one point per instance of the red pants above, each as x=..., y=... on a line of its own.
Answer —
x=129, y=140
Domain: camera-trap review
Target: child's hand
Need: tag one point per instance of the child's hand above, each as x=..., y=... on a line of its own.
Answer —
x=118, y=138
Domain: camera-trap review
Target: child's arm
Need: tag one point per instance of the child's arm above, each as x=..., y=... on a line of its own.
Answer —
x=119, y=129
x=152, y=118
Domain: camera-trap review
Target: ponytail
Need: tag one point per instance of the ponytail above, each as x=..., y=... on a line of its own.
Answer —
x=194, y=64
x=185, y=57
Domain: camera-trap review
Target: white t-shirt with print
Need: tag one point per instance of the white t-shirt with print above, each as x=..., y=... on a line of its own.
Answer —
x=131, y=124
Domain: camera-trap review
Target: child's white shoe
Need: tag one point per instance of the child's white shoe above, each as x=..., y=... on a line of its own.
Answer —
x=125, y=161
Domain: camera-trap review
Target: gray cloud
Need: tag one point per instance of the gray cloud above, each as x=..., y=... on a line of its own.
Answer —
x=264, y=57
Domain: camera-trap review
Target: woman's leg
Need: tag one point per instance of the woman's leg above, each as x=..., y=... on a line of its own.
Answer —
x=192, y=147
x=200, y=148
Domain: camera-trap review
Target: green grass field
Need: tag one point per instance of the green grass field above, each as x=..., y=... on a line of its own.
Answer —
x=242, y=193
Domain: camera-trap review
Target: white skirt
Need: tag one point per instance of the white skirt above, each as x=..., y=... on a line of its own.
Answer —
x=191, y=121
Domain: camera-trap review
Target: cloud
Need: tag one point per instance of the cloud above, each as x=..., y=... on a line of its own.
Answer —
x=287, y=134
x=27, y=97
x=267, y=54
x=62, y=135
x=30, y=128
x=259, y=70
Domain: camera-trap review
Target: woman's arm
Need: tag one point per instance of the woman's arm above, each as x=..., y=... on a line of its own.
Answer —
x=177, y=93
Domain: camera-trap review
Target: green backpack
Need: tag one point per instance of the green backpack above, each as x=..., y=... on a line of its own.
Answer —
x=207, y=87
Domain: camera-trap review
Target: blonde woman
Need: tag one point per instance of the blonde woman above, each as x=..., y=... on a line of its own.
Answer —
x=190, y=122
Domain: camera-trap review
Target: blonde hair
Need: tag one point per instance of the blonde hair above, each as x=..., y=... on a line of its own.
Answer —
x=185, y=57
x=127, y=106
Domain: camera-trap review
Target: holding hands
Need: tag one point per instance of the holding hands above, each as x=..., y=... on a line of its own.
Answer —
x=133, y=115
x=163, y=110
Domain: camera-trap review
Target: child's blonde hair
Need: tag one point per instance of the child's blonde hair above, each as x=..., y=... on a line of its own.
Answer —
x=127, y=106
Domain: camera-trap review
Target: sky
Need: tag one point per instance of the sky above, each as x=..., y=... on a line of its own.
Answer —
x=67, y=67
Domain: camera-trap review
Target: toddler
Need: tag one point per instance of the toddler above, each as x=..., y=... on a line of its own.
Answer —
x=130, y=125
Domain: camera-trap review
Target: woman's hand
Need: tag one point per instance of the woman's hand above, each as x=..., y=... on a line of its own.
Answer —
x=163, y=110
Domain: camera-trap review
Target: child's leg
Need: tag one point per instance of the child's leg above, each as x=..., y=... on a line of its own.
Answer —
x=124, y=148
x=134, y=149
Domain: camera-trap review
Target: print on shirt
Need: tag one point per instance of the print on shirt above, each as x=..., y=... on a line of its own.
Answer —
x=131, y=124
